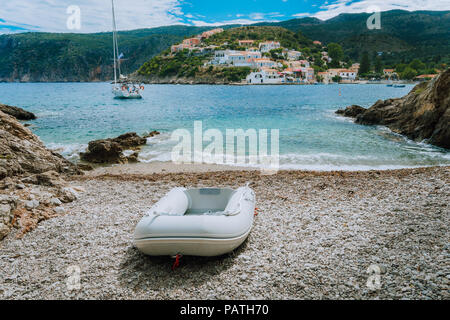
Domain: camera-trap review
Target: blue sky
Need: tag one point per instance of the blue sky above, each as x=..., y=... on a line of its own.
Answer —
x=214, y=12
x=95, y=15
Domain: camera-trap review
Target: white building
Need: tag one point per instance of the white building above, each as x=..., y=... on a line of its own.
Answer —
x=347, y=74
x=305, y=63
x=293, y=55
x=223, y=56
x=235, y=58
x=238, y=59
x=264, y=76
x=307, y=73
x=269, y=45
x=253, y=55
x=264, y=63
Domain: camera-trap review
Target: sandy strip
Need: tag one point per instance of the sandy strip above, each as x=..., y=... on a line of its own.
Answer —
x=316, y=236
x=162, y=167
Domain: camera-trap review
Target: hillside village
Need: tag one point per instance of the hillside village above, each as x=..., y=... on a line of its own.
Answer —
x=259, y=60
x=269, y=61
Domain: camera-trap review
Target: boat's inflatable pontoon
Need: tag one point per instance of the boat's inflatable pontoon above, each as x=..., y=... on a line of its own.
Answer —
x=197, y=222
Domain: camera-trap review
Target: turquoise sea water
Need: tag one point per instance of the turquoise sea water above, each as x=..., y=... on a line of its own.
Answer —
x=311, y=135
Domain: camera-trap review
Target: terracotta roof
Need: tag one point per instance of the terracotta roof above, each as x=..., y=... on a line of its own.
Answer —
x=423, y=76
x=269, y=69
x=263, y=59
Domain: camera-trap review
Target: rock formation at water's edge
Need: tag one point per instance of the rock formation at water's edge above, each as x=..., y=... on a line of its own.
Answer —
x=423, y=114
x=32, y=178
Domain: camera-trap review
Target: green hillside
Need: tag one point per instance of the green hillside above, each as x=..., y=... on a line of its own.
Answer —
x=81, y=57
x=403, y=36
x=287, y=38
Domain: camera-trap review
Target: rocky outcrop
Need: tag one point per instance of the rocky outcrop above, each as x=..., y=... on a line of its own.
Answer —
x=423, y=114
x=352, y=111
x=112, y=150
x=23, y=154
x=17, y=113
x=7, y=205
x=152, y=134
x=30, y=176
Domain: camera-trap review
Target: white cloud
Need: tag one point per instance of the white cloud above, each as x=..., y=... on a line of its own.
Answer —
x=347, y=6
x=250, y=19
x=257, y=16
x=300, y=15
x=50, y=15
x=199, y=23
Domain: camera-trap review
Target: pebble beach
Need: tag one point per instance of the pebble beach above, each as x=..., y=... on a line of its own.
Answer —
x=315, y=238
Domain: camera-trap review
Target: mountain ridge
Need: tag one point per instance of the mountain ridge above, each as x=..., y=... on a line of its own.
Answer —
x=36, y=57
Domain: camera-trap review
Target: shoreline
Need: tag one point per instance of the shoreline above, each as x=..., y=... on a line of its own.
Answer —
x=206, y=84
x=159, y=167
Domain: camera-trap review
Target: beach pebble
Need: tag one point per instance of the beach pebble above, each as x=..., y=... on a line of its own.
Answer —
x=68, y=195
x=31, y=204
x=55, y=201
x=59, y=210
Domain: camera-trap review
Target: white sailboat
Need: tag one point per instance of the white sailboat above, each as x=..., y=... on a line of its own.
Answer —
x=122, y=87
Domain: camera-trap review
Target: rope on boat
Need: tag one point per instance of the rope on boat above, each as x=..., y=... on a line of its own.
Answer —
x=176, y=264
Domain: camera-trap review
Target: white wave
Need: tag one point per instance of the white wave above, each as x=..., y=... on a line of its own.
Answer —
x=307, y=162
x=70, y=151
x=47, y=114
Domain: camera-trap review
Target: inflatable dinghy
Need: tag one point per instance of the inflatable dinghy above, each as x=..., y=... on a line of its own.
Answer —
x=197, y=222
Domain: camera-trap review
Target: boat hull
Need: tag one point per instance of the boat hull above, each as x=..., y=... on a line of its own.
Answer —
x=196, y=222
x=203, y=247
x=118, y=94
x=129, y=97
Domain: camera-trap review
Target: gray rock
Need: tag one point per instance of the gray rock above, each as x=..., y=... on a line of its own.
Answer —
x=111, y=150
x=31, y=204
x=352, y=111
x=55, y=201
x=68, y=195
x=16, y=112
x=7, y=206
x=59, y=210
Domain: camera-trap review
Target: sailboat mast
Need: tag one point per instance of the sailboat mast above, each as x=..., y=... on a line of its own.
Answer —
x=114, y=42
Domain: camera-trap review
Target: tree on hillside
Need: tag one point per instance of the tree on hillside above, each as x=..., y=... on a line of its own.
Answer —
x=336, y=79
x=318, y=60
x=336, y=53
x=378, y=65
x=400, y=67
x=417, y=65
x=364, y=66
x=409, y=73
x=276, y=53
x=306, y=51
